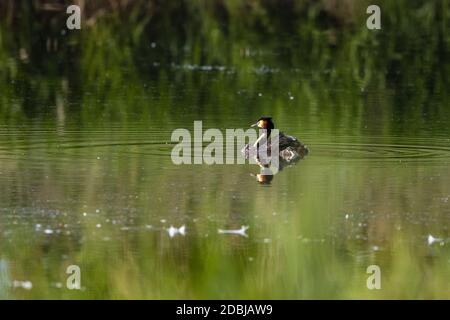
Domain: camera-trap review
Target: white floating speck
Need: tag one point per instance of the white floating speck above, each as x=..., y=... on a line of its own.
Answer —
x=97, y=210
x=98, y=225
x=174, y=231
x=163, y=220
x=432, y=239
x=27, y=285
x=48, y=231
x=84, y=214
x=267, y=240
x=241, y=231
x=347, y=216
x=57, y=285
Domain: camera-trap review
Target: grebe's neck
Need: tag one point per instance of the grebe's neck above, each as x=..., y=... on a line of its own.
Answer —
x=263, y=135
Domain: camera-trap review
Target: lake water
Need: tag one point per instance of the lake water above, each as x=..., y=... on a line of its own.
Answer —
x=87, y=179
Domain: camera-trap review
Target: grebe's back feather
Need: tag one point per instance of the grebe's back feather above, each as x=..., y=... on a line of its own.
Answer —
x=290, y=147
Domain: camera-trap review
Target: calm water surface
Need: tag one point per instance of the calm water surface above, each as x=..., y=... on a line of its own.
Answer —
x=86, y=179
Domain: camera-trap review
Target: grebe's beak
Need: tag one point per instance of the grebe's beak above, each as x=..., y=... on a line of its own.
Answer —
x=254, y=125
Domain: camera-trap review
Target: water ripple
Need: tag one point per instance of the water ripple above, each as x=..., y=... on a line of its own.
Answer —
x=381, y=152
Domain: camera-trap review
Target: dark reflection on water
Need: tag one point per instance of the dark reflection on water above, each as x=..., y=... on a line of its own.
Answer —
x=86, y=176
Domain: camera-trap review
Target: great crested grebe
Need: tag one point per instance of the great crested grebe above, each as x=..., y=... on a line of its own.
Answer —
x=290, y=148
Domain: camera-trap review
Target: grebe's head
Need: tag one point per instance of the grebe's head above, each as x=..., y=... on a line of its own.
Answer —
x=264, y=123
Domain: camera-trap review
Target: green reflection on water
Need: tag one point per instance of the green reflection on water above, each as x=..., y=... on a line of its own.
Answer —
x=87, y=179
